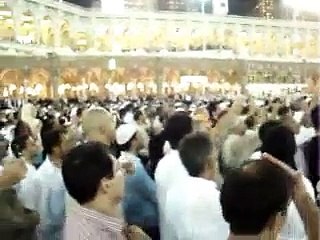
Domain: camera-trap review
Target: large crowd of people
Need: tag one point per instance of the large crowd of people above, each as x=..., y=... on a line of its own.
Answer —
x=173, y=168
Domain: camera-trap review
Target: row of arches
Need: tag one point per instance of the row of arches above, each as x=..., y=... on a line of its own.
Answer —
x=98, y=81
x=81, y=34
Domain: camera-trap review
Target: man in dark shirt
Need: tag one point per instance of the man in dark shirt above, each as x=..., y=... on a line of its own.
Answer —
x=311, y=149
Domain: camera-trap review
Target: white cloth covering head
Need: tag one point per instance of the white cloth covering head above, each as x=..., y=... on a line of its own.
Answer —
x=125, y=132
x=224, y=105
x=128, y=118
x=180, y=109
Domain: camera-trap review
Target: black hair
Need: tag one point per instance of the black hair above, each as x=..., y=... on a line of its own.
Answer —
x=276, y=100
x=137, y=114
x=19, y=144
x=16, y=115
x=250, y=122
x=52, y=139
x=177, y=126
x=79, y=112
x=84, y=167
x=212, y=107
x=47, y=125
x=62, y=120
x=155, y=148
x=245, y=110
x=280, y=143
x=22, y=128
x=264, y=190
x=266, y=127
x=122, y=113
x=315, y=117
x=283, y=110
x=194, y=151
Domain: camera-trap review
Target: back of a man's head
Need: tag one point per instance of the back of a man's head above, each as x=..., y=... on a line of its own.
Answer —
x=83, y=169
x=280, y=143
x=195, y=151
x=266, y=127
x=95, y=118
x=177, y=126
x=252, y=195
x=52, y=139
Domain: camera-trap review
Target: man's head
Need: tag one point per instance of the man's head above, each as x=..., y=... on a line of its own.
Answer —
x=139, y=117
x=79, y=113
x=254, y=197
x=98, y=125
x=53, y=142
x=315, y=117
x=197, y=155
x=13, y=171
x=129, y=138
x=266, y=127
x=280, y=142
x=284, y=112
x=24, y=145
x=177, y=126
x=91, y=174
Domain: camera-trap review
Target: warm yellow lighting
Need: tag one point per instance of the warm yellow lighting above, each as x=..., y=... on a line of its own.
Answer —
x=30, y=91
x=112, y=64
x=61, y=90
x=93, y=87
x=21, y=90
x=38, y=88
x=130, y=86
x=5, y=93
x=67, y=86
x=140, y=86
x=12, y=87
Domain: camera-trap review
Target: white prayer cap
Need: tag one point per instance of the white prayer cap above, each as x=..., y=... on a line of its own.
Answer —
x=125, y=132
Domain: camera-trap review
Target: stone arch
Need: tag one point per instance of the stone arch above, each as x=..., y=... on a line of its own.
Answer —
x=11, y=79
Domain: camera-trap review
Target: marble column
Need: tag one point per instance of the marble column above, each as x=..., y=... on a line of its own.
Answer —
x=158, y=76
x=55, y=72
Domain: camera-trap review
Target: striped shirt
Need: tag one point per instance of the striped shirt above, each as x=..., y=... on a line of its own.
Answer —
x=86, y=224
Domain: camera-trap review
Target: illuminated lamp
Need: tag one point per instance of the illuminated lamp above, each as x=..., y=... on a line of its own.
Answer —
x=140, y=86
x=5, y=92
x=93, y=87
x=112, y=64
x=12, y=87
x=130, y=86
x=61, y=90
x=21, y=90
